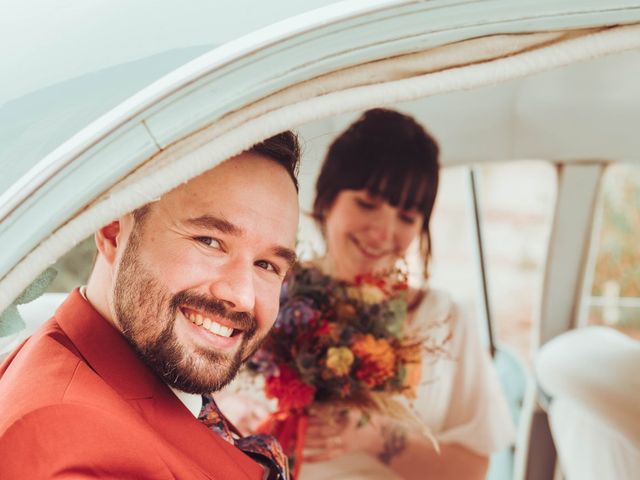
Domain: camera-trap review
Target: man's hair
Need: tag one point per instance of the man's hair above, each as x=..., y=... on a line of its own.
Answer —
x=284, y=149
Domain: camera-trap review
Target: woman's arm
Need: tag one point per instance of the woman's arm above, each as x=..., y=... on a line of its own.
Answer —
x=414, y=457
x=411, y=454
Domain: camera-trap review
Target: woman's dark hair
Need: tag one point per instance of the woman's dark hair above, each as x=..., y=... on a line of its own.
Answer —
x=392, y=157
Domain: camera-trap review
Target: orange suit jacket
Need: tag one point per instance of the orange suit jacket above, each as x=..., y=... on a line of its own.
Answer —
x=76, y=402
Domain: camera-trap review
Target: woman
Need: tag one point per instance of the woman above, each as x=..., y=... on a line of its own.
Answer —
x=374, y=197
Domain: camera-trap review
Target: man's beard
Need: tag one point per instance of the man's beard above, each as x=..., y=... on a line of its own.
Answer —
x=146, y=313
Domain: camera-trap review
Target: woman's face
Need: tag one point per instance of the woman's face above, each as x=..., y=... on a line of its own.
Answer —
x=365, y=234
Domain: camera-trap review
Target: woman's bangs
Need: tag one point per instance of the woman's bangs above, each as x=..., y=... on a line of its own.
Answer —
x=408, y=191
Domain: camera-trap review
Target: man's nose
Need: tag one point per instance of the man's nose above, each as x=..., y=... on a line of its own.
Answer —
x=234, y=285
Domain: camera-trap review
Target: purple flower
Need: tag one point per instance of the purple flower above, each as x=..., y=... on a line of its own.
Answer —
x=263, y=362
x=295, y=313
x=284, y=291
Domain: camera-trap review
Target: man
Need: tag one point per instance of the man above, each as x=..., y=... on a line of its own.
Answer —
x=183, y=290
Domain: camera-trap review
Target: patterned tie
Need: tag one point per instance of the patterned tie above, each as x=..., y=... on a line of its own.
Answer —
x=264, y=449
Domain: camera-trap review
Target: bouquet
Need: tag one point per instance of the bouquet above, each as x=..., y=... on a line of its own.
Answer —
x=337, y=342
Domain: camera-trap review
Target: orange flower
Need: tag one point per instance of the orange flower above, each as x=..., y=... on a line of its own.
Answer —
x=346, y=311
x=377, y=360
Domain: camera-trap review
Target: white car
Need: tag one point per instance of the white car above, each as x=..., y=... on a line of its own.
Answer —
x=106, y=107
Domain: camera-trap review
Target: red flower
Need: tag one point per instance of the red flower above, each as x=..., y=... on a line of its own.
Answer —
x=291, y=392
x=345, y=390
x=324, y=328
x=369, y=279
x=401, y=286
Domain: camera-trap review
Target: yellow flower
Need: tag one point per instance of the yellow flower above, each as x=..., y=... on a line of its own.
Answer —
x=339, y=360
x=367, y=293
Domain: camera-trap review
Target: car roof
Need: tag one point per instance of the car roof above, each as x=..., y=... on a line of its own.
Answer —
x=171, y=113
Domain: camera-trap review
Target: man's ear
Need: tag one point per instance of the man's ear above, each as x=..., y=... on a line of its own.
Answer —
x=107, y=239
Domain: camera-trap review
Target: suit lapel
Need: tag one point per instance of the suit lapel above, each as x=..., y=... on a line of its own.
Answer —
x=112, y=358
x=175, y=423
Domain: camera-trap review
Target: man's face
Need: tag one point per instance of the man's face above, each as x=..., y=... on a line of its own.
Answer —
x=197, y=283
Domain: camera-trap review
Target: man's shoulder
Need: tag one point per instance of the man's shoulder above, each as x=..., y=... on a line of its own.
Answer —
x=53, y=403
x=77, y=437
x=44, y=371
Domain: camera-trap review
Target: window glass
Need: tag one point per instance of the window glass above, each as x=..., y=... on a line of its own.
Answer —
x=74, y=267
x=454, y=266
x=516, y=205
x=614, y=298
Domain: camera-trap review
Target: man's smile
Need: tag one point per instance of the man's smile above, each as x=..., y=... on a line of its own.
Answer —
x=218, y=327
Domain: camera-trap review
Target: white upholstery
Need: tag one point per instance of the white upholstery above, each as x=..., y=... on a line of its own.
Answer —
x=592, y=376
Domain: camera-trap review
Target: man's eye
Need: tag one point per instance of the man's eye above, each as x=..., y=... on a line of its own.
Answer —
x=267, y=266
x=209, y=242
